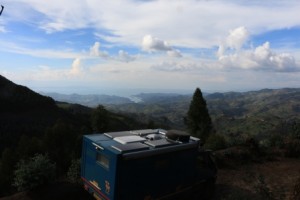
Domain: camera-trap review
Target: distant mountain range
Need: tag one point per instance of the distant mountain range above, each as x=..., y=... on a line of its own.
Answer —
x=254, y=112
x=91, y=100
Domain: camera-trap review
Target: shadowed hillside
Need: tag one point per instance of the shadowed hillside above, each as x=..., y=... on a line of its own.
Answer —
x=24, y=112
x=32, y=125
x=17, y=98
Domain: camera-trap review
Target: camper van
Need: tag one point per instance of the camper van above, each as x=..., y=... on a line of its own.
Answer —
x=146, y=164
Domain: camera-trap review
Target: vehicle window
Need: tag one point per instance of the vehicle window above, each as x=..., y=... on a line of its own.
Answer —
x=102, y=160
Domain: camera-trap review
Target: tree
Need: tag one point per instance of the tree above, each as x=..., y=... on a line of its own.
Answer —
x=7, y=163
x=73, y=174
x=33, y=173
x=198, y=120
x=60, y=144
x=100, y=119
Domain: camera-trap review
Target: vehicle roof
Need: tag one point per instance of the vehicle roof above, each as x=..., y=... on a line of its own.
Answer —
x=145, y=141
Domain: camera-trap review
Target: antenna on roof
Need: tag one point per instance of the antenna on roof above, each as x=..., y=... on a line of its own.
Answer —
x=2, y=8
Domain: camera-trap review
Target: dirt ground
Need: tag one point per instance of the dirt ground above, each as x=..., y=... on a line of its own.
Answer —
x=268, y=180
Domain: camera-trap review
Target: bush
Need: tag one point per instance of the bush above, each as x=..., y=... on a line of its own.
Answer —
x=296, y=191
x=292, y=147
x=33, y=173
x=73, y=174
x=216, y=142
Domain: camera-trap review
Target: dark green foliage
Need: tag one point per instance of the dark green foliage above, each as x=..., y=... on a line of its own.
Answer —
x=29, y=146
x=31, y=123
x=35, y=172
x=292, y=146
x=100, y=119
x=8, y=161
x=198, y=120
x=60, y=142
x=215, y=142
x=73, y=174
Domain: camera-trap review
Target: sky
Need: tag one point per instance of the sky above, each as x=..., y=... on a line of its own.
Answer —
x=123, y=46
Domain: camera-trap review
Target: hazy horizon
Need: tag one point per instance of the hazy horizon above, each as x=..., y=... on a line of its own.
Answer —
x=136, y=91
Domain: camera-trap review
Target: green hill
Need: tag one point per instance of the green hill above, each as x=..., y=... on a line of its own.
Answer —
x=255, y=112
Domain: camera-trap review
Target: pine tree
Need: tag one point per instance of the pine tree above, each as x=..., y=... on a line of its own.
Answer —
x=198, y=120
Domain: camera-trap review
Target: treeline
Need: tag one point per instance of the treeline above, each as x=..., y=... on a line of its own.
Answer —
x=59, y=144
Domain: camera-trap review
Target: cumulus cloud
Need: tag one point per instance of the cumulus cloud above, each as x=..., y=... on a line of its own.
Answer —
x=261, y=58
x=125, y=57
x=235, y=40
x=76, y=67
x=122, y=55
x=152, y=44
x=233, y=54
x=95, y=51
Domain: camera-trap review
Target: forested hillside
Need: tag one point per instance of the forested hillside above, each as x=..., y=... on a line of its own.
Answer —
x=35, y=128
x=255, y=112
x=249, y=127
x=259, y=113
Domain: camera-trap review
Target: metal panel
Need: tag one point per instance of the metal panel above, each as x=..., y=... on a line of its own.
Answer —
x=144, y=132
x=130, y=147
x=159, y=143
x=129, y=139
x=118, y=134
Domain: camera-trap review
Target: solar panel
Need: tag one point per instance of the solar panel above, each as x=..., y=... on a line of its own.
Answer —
x=129, y=139
x=118, y=134
x=144, y=132
x=159, y=143
x=137, y=146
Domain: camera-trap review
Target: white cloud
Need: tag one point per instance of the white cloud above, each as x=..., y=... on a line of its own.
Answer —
x=261, y=58
x=235, y=40
x=122, y=56
x=41, y=53
x=152, y=44
x=125, y=57
x=174, y=53
x=76, y=67
x=191, y=23
x=95, y=51
x=232, y=54
x=175, y=67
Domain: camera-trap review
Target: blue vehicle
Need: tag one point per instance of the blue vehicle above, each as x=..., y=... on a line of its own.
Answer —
x=146, y=164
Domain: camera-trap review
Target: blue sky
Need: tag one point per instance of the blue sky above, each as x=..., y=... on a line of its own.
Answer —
x=110, y=46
